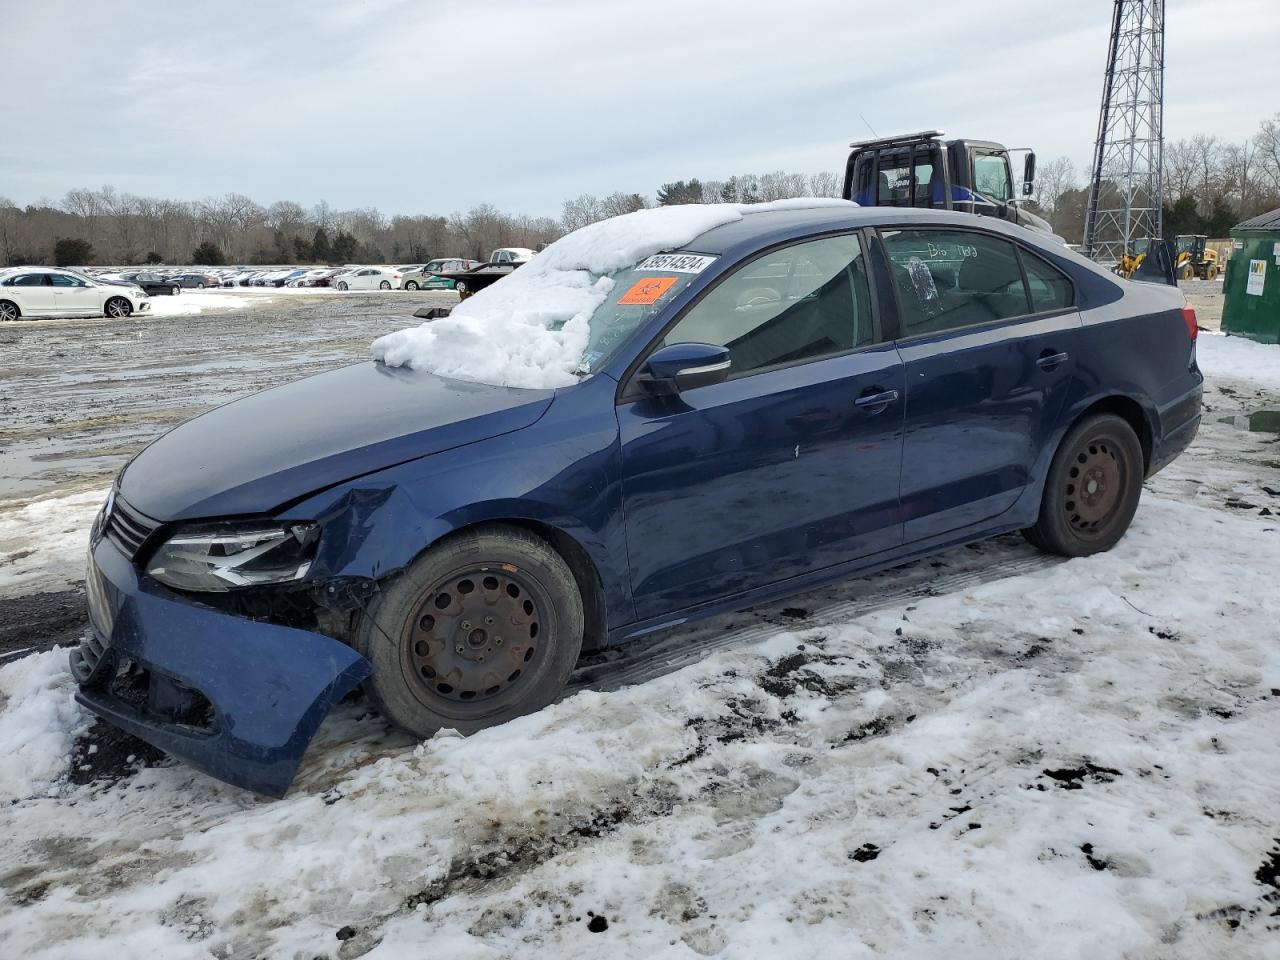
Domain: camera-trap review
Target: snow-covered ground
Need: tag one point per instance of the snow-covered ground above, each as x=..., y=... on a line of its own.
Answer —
x=195, y=301
x=1074, y=761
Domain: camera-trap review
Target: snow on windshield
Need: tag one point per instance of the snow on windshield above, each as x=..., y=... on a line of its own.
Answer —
x=530, y=328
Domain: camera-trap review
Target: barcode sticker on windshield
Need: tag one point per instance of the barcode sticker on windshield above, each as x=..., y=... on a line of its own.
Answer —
x=677, y=262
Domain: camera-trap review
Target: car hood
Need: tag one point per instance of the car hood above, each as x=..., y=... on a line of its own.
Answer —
x=258, y=453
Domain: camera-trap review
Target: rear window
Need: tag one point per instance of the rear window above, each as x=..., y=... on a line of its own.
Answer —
x=1049, y=289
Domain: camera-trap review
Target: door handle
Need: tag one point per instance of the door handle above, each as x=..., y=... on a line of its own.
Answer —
x=1048, y=361
x=876, y=402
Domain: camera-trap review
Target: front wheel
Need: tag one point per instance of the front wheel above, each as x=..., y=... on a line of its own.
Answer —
x=174, y=291
x=385, y=285
x=342, y=285
x=482, y=628
x=411, y=285
x=1093, y=488
x=1211, y=272
x=1186, y=273
x=118, y=308
x=461, y=288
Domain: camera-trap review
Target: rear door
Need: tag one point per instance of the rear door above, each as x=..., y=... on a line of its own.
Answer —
x=988, y=333
x=32, y=293
x=788, y=466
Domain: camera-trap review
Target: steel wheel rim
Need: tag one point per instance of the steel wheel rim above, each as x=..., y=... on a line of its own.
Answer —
x=1095, y=486
x=476, y=634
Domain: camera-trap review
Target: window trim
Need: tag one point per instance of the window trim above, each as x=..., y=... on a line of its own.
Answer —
x=985, y=324
x=628, y=392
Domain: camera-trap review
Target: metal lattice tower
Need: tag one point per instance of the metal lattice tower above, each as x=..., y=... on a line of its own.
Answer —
x=1127, y=188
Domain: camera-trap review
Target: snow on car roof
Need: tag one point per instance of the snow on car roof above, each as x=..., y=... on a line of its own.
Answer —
x=529, y=329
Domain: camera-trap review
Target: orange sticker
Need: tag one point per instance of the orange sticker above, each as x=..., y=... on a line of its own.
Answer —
x=646, y=291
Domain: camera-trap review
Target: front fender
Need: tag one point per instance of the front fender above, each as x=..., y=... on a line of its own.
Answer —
x=562, y=472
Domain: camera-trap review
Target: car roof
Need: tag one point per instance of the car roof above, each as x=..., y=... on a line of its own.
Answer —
x=758, y=230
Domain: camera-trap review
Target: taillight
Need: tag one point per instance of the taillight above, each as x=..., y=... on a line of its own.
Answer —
x=1189, y=316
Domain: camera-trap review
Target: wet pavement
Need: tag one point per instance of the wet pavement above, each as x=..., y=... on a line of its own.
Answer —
x=79, y=397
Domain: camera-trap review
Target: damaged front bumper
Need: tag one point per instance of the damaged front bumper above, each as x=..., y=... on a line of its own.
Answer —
x=239, y=699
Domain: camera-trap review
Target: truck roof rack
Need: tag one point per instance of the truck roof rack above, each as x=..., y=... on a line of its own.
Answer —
x=900, y=140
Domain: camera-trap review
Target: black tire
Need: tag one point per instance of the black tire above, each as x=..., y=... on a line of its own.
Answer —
x=433, y=636
x=411, y=285
x=461, y=288
x=9, y=311
x=118, y=308
x=174, y=291
x=342, y=285
x=385, y=285
x=1103, y=452
x=199, y=286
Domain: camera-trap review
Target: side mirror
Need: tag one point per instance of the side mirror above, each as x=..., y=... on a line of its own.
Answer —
x=684, y=366
x=1029, y=174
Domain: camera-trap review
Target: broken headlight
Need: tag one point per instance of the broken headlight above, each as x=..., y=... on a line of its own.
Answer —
x=216, y=558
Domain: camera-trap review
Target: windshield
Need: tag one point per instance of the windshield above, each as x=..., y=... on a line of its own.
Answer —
x=638, y=293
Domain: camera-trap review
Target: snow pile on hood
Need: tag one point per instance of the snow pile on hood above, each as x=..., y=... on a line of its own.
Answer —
x=530, y=328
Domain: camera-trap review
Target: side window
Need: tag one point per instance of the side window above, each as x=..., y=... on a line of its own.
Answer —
x=953, y=278
x=1049, y=289
x=991, y=177
x=64, y=280
x=30, y=280
x=799, y=303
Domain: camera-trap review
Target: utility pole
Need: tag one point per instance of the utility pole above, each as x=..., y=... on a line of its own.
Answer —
x=1127, y=186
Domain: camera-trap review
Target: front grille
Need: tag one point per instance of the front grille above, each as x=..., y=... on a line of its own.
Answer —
x=127, y=528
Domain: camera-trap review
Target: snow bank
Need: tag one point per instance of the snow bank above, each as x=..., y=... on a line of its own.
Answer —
x=1235, y=358
x=39, y=721
x=187, y=304
x=530, y=328
x=43, y=542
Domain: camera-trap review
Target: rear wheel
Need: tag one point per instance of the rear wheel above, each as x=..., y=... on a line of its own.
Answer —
x=482, y=628
x=411, y=285
x=461, y=288
x=1186, y=273
x=9, y=311
x=174, y=291
x=118, y=307
x=385, y=285
x=342, y=285
x=1211, y=272
x=1093, y=488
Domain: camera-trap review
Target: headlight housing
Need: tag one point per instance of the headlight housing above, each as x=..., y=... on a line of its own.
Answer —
x=221, y=557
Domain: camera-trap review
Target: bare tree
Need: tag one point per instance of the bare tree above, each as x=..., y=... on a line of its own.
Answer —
x=1053, y=179
x=824, y=184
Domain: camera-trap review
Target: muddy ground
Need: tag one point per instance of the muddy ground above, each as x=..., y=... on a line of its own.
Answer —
x=79, y=397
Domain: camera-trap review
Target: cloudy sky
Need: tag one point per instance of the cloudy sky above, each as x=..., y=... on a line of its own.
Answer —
x=417, y=106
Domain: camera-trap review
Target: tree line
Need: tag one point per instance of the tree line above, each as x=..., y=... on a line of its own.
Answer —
x=108, y=226
x=1210, y=185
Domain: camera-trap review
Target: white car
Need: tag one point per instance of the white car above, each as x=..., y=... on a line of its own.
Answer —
x=369, y=278
x=41, y=292
x=511, y=255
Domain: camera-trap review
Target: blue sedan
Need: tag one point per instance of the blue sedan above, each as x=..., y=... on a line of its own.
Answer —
x=785, y=400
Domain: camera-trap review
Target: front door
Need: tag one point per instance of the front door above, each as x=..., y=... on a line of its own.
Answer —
x=788, y=466
x=72, y=295
x=989, y=359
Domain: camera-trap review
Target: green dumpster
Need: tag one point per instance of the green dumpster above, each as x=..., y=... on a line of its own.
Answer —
x=1252, y=289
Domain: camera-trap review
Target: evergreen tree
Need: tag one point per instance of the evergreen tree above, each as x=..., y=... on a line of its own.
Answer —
x=207, y=255
x=69, y=252
x=154, y=257
x=680, y=192
x=344, y=247
x=320, y=249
